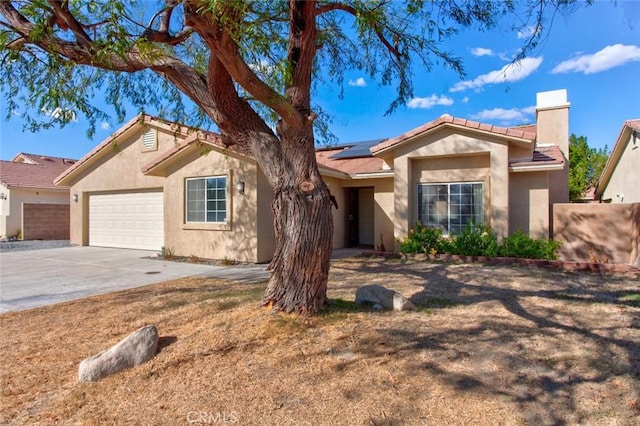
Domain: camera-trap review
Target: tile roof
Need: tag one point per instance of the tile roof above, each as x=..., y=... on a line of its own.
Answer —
x=516, y=132
x=529, y=128
x=32, y=170
x=633, y=124
x=349, y=165
x=545, y=155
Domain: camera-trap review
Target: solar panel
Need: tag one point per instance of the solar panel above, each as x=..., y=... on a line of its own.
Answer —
x=358, y=149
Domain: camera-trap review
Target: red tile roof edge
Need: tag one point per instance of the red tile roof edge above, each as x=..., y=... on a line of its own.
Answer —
x=453, y=121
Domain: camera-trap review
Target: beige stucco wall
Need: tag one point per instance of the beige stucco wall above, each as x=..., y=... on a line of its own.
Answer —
x=598, y=232
x=11, y=213
x=448, y=156
x=624, y=184
x=238, y=238
x=339, y=214
x=117, y=168
x=529, y=203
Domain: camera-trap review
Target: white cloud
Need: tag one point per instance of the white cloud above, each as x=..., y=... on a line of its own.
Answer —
x=359, y=82
x=465, y=100
x=506, y=74
x=481, y=51
x=105, y=126
x=505, y=116
x=607, y=58
x=528, y=32
x=59, y=113
x=429, y=102
x=529, y=110
x=263, y=68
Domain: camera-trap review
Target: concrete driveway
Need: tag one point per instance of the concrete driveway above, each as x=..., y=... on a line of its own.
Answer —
x=34, y=278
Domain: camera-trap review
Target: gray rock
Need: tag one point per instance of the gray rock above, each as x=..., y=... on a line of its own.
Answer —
x=135, y=349
x=379, y=296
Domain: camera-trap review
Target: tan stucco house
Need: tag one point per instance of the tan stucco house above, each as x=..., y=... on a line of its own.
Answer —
x=619, y=182
x=28, y=180
x=156, y=184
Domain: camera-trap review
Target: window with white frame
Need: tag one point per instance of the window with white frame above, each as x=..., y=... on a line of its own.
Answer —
x=206, y=199
x=450, y=206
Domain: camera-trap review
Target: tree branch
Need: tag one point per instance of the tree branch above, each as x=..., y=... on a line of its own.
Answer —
x=162, y=34
x=352, y=11
x=165, y=37
x=82, y=54
x=218, y=38
x=62, y=14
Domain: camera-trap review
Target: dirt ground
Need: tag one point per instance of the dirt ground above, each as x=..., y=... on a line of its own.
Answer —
x=489, y=345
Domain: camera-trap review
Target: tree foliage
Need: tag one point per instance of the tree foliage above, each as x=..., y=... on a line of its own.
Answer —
x=72, y=50
x=585, y=166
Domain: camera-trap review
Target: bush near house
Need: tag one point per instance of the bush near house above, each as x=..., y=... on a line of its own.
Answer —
x=477, y=240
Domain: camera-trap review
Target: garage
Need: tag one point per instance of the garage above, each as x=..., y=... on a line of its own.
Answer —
x=127, y=220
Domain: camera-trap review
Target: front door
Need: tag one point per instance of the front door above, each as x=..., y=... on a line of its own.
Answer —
x=360, y=222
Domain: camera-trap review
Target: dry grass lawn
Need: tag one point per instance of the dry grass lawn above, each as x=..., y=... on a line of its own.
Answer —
x=489, y=345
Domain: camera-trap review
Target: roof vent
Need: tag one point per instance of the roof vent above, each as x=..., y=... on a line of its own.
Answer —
x=149, y=139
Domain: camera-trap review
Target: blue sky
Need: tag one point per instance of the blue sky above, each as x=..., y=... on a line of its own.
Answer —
x=594, y=53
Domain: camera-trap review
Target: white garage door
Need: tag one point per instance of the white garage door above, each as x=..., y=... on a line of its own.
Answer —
x=126, y=220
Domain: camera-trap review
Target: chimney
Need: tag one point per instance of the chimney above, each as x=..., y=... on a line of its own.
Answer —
x=552, y=128
x=552, y=119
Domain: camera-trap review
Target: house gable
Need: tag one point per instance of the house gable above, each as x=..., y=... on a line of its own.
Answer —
x=136, y=131
x=618, y=182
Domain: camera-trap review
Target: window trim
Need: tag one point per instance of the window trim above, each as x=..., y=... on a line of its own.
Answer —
x=207, y=225
x=446, y=232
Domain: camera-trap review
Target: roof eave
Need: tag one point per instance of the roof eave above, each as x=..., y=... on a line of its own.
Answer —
x=48, y=188
x=373, y=175
x=537, y=168
x=329, y=172
x=612, y=161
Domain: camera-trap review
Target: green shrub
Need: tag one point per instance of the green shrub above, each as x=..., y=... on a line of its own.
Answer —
x=422, y=239
x=521, y=245
x=474, y=240
x=477, y=240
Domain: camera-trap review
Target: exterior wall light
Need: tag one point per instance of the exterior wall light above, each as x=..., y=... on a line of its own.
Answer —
x=240, y=187
x=75, y=198
x=3, y=196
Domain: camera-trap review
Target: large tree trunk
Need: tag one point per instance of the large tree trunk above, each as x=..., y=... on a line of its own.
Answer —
x=304, y=232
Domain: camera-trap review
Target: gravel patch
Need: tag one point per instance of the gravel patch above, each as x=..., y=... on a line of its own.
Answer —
x=6, y=246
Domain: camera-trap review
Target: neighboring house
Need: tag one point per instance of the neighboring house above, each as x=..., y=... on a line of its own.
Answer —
x=156, y=184
x=620, y=179
x=28, y=180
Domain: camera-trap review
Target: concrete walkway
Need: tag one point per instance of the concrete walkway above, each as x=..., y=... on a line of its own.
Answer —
x=34, y=278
